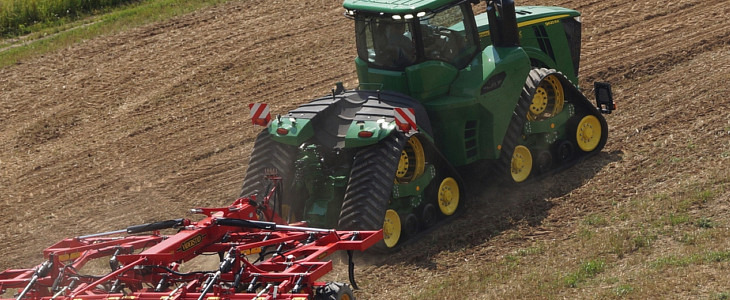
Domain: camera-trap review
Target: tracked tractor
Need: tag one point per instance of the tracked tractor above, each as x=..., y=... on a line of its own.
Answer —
x=440, y=89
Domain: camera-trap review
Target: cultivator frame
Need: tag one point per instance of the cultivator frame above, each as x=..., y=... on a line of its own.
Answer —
x=258, y=259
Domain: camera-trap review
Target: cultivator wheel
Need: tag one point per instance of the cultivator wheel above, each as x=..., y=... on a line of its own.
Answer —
x=334, y=291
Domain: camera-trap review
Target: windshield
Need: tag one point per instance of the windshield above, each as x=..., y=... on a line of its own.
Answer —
x=393, y=43
x=386, y=43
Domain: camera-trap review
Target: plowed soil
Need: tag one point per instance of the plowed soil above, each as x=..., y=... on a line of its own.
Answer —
x=143, y=125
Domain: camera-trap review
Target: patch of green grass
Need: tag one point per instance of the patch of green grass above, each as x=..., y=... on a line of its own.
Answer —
x=19, y=17
x=677, y=219
x=586, y=270
x=705, y=223
x=624, y=242
x=537, y=249
x=623, y=290
x=595, y=220
x=693, y=259
x=721, y=296
x=119, y=19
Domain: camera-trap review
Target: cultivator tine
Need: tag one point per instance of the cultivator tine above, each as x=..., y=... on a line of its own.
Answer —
x=70, y=286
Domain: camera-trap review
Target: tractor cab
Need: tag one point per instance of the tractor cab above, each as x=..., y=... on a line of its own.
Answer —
x=395, y=41
x=416, y=50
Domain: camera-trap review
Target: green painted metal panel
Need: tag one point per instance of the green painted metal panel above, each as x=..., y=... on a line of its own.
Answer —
x=379, y=129
x=490, y=111
x=298, y=131
x=376, y=79
x=529, y=21
x=430, y=79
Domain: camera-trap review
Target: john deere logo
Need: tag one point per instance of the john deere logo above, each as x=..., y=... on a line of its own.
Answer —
x=190, y=243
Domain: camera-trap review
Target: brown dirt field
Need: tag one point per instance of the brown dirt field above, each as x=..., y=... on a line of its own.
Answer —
x=143, y=125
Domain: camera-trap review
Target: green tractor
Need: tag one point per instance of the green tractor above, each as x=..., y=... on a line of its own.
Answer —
x=439, y=89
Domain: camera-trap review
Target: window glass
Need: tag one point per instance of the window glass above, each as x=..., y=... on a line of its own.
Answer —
x=445, y=38
x=385, y=42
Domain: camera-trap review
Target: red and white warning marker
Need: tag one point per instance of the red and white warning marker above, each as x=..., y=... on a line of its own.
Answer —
x=405, y=119
x=260, y=114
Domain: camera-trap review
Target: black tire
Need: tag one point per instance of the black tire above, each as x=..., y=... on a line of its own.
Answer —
x=334, y=291
x=369, y=188
x=268, y=154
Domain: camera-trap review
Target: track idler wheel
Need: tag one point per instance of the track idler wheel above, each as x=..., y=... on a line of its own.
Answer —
x=391, y=228
x=544, y=161
x=448, y=196
x=521, y=166
x=564, y=151
x=428, y=215
x=410, y=225
x=588, y=133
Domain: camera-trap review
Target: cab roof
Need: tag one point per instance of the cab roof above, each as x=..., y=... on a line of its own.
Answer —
x=524, y=13
x=396, y=6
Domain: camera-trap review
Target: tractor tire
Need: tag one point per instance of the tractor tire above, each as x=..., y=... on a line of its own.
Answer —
x=369, y=188
x=267, y=156
x=334, y=291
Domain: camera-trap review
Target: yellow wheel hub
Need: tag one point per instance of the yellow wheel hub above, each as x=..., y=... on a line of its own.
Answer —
x=588, y=134
x=412, y=161
x=448, y=196
x=521, y=163
x=548, y=100
x=391, y=228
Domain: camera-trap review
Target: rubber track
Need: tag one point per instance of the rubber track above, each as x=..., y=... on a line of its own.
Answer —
x=370, y=186
x=268, y=154
x=517, y=124
x=515, y=129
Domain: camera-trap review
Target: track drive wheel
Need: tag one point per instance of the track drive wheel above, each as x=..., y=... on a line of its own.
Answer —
x=412, y=161
x=334, y=291
x=369, y=189
x=548, y=98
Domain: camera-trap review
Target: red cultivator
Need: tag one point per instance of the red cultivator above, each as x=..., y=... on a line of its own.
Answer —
x=258, y=260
